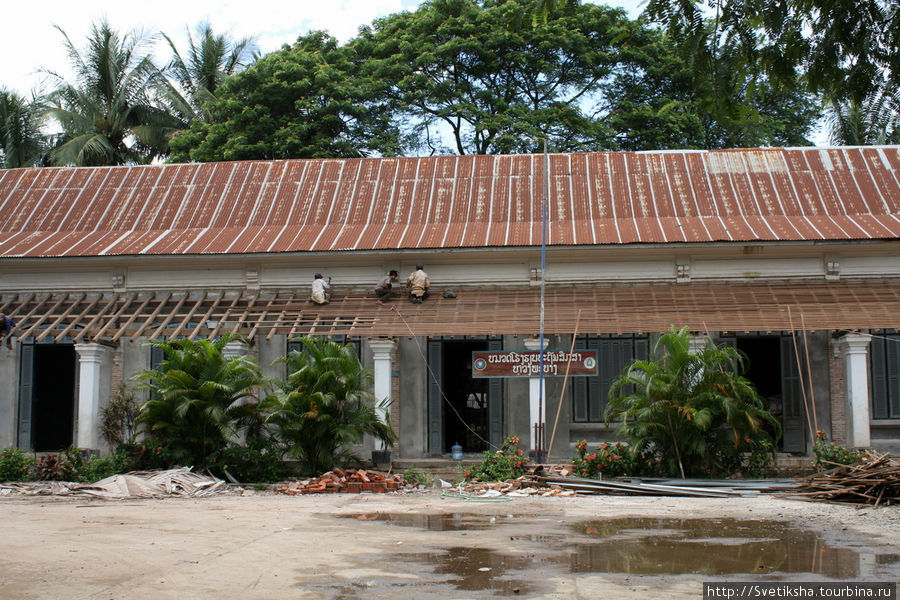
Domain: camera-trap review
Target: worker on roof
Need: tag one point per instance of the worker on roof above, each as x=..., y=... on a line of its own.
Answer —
x=385, y=287
x=418, y=284
x=6, y=328
x=320, y=290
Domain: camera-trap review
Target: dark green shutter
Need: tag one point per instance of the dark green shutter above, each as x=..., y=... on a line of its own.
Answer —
x=26, y=399
x=435, y=364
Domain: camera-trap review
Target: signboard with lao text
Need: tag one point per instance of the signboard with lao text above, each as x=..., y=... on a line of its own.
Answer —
x=528, y=364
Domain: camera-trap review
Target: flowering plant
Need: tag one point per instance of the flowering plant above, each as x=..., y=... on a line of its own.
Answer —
x=609, y=459
x=829, y=452
x=506, y=463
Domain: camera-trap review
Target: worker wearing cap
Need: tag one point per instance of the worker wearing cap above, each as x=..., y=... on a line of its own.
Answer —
x=320, y=293
x=418, y=285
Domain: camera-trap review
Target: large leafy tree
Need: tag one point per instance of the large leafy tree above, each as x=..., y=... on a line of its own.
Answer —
x=664, y=96
x=107, y=114
x=470, y=72
x=848, y=51
x=202, y=400
x=21, y=142
x=303, y=101
x=192, y=79
x=324, y=406
x=692, y=411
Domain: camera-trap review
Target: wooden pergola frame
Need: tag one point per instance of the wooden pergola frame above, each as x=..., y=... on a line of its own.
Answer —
x=604, y=309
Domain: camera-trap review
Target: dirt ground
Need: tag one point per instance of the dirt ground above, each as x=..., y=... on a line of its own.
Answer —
x=416, y=545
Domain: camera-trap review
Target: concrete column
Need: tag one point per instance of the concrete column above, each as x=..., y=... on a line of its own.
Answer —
x=234, y=349
x=535, y=393
x=381, y=360
x=854, y=349
x=95, y=370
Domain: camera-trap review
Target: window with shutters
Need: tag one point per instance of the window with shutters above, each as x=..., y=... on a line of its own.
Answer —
x=614, y=354
x=885, y=376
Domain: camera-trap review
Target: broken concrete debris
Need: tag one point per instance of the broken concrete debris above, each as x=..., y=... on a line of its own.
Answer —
x=344, y=481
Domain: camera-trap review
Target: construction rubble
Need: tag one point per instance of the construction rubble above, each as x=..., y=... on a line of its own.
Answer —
x=180, y=482
x=344, y=481
x=874, y=480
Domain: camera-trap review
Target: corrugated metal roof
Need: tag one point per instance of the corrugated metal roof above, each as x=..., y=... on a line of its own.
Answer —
x=452, y=201
x=628, y=308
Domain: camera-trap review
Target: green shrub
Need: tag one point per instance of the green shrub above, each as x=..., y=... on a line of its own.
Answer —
x=15, y=465
x=249, y=464
x=506, y=463
x=416, y=477
x=608, y=460
x=100, y=467
x=63, y=466
x=829, y=452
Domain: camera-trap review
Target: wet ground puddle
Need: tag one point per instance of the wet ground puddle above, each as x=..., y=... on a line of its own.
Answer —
x=637, y=546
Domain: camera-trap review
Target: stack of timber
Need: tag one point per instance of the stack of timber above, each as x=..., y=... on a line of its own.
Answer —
x=344, y=481
x=522, y=486
x=874, y=480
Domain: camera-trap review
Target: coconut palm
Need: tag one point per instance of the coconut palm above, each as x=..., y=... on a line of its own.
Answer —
x=202, y=400
x=875, y=120
x=324, y=406
x=210, y=59
x=21, y=141
x=691, y=411
x=106, y=114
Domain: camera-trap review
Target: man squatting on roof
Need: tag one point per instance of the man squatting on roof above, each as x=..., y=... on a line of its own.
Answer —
x=385, y=286
x=418, y=285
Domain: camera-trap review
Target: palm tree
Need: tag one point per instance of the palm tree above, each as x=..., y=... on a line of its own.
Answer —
x=324, y=406
x=107, y=115
x=875, y=120
x=692, y=411
x=21, y=141
x=201, y=398
x=210, y=59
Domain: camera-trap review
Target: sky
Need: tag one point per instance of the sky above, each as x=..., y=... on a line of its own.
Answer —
x=30, y=42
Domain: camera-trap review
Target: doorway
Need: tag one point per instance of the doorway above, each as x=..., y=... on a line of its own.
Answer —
x=465, y=412
x=774, y=372
x=47, y=397
x=462, y=409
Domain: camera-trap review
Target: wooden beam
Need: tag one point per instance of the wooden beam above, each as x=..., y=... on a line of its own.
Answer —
x=143, y=327
x=44, y=316
x=60, y=318
x=131, y=320
x=115, y=316
x=77, y=320
x=206, y=316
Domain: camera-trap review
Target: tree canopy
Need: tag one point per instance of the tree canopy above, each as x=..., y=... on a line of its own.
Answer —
x=106, y=114
x=307, y=100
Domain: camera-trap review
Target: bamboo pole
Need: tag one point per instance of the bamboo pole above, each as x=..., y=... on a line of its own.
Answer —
x=809, y=374
x=565, y=381
x=812, y=432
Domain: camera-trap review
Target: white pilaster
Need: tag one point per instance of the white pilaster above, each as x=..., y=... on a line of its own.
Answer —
x=535, y=393
x=95, y=371
x=381, y=359
x=234, y=349
x=854, y=348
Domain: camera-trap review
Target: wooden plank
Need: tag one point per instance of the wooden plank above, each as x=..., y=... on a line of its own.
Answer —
x=143, y=327
x=77, y=319
x=115, y=316
x=132, y=319
x=44, y=316
x=50, y=328
x=206, y=316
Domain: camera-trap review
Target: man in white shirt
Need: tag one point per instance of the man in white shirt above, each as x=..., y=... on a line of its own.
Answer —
x=320, y=293
x=418, y=284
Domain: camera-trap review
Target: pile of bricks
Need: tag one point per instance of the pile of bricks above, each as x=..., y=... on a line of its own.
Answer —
x=341, y=481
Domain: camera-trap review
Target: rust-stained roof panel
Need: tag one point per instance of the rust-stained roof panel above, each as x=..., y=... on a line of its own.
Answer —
x=453, y=201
